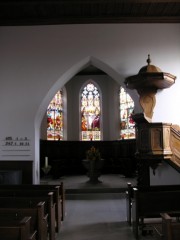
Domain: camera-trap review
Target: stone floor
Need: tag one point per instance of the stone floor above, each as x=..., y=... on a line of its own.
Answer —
x=80, y=183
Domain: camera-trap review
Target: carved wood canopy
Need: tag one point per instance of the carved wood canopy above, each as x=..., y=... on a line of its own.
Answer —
x=150, y=76
x=148, y=80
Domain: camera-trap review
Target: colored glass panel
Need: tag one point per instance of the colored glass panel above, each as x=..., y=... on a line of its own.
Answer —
x=127, y=125
x=90, y=113
x=55, y=117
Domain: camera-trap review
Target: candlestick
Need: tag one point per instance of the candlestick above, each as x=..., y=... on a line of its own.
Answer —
x=46, y=161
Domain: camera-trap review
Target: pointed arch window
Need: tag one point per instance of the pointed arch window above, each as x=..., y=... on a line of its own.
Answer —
x=127, y=125
x=55, y=117
x=90, y=113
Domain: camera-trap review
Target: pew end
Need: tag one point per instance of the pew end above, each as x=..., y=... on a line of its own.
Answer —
x=16, y=229
x=170, y=227
x=128, y=197
x=147, y=205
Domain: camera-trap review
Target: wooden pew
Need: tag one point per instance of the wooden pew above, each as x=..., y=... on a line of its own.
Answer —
x=129, y=195
x=15, y=229
x=59, y=197
x=38, y=218
x=35, y=196
x=61, y=194
x=149, y=205
x=170, y=228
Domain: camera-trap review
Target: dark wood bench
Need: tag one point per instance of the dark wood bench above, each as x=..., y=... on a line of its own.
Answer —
x=149, y=204
x=59, y=197
x=47, y=187
x=15, y=229
x=129, y=195
x=35, y=196
x=60, y=188
x=38, y=218
x=169, y=228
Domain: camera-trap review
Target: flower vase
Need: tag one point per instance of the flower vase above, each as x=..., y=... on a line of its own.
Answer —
x=94, y=167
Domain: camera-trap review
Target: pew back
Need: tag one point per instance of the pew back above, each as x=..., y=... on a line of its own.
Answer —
x=38, y=219
x=15, y=229
x=170, y=228
x=36, y=196
x=130, y=194
x=59, y=196
x=149, y=204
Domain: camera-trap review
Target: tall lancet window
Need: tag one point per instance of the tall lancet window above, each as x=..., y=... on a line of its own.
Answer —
x=90, y=113
x=55, y=117
x=127, y=125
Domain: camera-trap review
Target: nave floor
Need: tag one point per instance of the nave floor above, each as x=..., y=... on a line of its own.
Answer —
x=97, y=217
x=96, y=214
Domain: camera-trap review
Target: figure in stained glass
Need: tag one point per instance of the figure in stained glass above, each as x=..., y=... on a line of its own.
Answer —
x=90, y=113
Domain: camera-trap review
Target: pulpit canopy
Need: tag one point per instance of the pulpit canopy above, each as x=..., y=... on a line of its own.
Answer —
x=150, y=76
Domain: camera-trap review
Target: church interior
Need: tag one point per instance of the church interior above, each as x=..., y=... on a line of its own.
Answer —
x=90, y=119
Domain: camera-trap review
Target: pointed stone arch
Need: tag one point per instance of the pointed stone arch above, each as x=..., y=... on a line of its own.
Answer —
x=72, y=72
x=64, y=78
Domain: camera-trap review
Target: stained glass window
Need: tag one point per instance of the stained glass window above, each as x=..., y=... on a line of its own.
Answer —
x=90, y=113
x=127, y=125
x=55, y=117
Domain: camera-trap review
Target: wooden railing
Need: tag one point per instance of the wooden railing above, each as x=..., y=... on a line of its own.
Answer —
x=175, y=144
